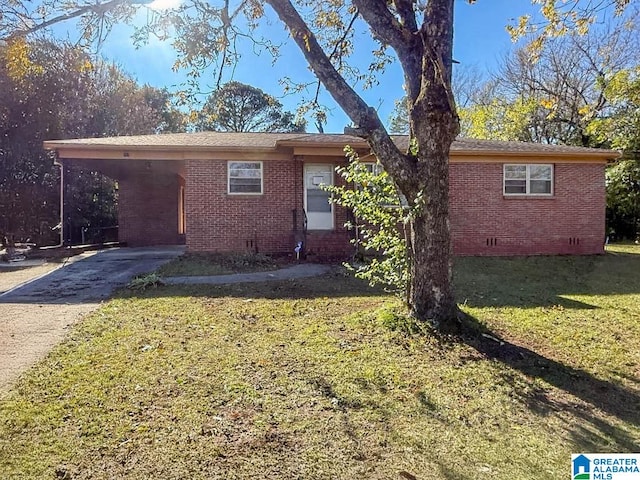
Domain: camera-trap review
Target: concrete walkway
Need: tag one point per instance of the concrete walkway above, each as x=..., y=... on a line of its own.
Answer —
x=303, y=270
x=39, y=304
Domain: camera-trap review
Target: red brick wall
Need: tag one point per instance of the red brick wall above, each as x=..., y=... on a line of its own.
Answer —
x=485, y=222
x=217, y=221
x=148, y=209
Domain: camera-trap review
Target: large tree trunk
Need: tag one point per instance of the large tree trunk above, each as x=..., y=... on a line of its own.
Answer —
x=430, y=293
x=434, y=125
x=425, y=55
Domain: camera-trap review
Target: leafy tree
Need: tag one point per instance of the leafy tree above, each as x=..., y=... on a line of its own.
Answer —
x=419, y=36
x=121, y=105
x=380, y=220
x=623, y=199
x=51, y=91
x=37, y=102
x=502, y=119
x=554, y=96
x=236, y=107
x=620, y=128
x=619, y=125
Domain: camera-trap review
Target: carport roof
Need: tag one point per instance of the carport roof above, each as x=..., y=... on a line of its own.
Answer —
x=264, y=142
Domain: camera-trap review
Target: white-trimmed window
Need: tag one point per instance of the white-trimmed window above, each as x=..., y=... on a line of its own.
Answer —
x=245, y=178
x=528, y=179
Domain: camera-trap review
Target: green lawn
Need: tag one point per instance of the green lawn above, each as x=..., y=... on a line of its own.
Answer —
x=196, y=264
x=318, y=379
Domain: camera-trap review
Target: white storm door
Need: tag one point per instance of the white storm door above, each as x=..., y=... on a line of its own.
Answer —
x=316, y=200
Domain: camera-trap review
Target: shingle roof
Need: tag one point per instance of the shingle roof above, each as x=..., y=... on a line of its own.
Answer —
x=474, y=145
x=271, y=141
x=196, y=139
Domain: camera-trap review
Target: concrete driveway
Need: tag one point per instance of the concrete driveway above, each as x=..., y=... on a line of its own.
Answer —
x=35, y=316
x=91, y=276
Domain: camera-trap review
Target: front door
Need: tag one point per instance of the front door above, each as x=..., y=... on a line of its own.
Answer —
x=316, y=200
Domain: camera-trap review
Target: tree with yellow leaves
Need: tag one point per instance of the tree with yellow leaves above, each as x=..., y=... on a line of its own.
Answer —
x=416, y=35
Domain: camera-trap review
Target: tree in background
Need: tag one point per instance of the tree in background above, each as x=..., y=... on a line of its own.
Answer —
x=53, y=91
x=623, y=200
x=620, y=129
x=236, y=107
x=416, y=35
x=554, y=96
x=40, y=87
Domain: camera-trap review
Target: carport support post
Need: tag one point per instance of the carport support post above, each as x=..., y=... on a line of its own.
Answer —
x=65, y=206
x=63, y=230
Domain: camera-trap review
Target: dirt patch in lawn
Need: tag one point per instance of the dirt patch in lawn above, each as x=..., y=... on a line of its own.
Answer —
x=29, y=331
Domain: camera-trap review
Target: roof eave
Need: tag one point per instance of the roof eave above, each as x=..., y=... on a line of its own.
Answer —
x=593, y=154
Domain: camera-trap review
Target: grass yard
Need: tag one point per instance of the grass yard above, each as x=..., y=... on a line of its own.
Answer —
x=196, y=264
x=322, y=379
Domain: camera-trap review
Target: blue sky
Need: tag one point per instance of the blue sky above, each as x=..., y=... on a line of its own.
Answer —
x=480, y=40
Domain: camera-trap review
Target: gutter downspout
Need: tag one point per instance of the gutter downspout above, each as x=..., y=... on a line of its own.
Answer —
x=58, y=163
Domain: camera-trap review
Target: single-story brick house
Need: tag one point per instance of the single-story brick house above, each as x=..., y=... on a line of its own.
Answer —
x=232, y=192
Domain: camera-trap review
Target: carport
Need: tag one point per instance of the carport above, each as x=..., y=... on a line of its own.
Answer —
x=151, y=186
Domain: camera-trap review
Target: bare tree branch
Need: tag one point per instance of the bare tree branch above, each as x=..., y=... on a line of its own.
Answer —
x=365, y=117
x=403, y=39
x=99, y=8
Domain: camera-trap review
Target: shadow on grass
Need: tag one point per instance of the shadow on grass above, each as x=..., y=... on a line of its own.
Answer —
x=543, y=281
x=596, y=394
x=480, y=282
x=337, y=284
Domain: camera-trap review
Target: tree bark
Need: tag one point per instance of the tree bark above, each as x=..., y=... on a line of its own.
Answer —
x=425, y=54
x=434, y=123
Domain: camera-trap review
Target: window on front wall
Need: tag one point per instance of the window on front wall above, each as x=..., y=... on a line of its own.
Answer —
x=528, y=179
x=245, y=178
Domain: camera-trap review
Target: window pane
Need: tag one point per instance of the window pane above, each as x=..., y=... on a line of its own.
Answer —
x=245, y=165
x=318, y=201
x=515, y=172
x=244, y=185
x=515, y=186
x=374, y=168
x=243, y=173
x=245, y=177
x=540, y=172
x=540, y=186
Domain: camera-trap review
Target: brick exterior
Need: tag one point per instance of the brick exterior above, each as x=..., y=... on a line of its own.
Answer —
x=152, y=169
x=485, y=222
x=271, y=222
x=218, y=221
x=148, y=209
